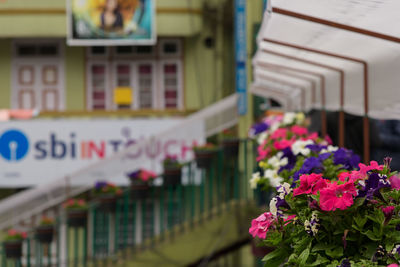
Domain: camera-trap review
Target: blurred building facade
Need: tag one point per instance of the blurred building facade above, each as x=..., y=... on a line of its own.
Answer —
x=190, y=66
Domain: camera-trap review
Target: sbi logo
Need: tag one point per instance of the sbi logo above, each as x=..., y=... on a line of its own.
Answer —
x=14, y=145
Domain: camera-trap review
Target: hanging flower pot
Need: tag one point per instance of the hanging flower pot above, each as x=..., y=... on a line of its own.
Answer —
x=107, y=195
x=205, y=155
x=172, y=171
x=141, y=184
x=77, y=218
x=13, y=249
x=230, y=144
x=45, y=231
x=76, y=212
x=13, y=244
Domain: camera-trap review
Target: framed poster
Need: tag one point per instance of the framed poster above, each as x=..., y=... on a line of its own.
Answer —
x=111, y=22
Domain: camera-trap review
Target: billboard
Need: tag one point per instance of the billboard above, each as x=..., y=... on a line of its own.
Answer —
x=40, y=151
x=111, y=22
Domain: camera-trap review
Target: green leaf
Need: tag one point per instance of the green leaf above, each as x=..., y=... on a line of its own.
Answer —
x=304, y=256
x=322, y=246
x=276, y=257
x=371, y=235
x=336, y=252
x=319, y=261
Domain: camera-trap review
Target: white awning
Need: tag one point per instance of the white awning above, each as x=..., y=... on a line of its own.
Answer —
x=360, y=39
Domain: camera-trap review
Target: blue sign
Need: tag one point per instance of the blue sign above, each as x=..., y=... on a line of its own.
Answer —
x=241, y=55
x=14, y=145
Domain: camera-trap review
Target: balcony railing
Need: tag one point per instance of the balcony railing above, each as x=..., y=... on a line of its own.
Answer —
x=136, y=225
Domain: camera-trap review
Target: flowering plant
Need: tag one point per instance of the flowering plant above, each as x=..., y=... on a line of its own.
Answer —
x=46, y=221
x=106, y=188
x=75, y=204
x=143, y=175
x=171, y=162
x=348, y=220
x=15, y=235
x=285, y=146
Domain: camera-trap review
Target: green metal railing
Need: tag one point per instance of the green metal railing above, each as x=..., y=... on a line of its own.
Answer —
x=139, y=224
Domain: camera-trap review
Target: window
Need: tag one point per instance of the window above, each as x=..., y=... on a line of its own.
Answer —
x=98, y=87
x=145, y=76
x=170, y=48
x=37, y=50
x=153, y=73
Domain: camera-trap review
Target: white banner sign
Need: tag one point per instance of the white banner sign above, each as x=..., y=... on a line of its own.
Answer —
x=37, y=152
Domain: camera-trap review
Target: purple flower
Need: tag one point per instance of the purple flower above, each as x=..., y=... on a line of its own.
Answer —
x=134, y=174
x=287, y=153
x=100, y=184
x=373, y=184
x=398, y=227
x=258, y=128
x=310, y=165
x=345, y=263
x=346, y=158
x=316, y=147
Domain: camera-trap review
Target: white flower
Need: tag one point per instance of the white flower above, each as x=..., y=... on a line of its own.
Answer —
x=284, y=189
x=274, y=127
x=272, y=206
x=274, y=178
x=300, y=118
x=329, y=149
x=289, y=118
x=299, y=147
x=262, y=137
x=276, y=162
x=254, y=180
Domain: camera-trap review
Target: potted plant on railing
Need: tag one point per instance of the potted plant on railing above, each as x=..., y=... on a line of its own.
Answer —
x=141, y=182
x=107, y=194
x=172, y=171
x=13, y=243
x=230, y=143
x=45, y=230
x=76, y=212
x=205, y=155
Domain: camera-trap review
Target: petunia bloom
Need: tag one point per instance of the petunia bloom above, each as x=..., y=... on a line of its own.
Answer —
x=279, y=134
x=298, y=130
x=262, y=224
x=337, y=196
x=310, y=184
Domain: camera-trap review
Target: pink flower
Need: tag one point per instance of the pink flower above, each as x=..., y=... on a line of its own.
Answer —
x=24, y=235
x=279, y=133
x=147, y=175
x=313, y=136
x=352, y=176
x=298, y=130
x=395, y=182
x=388, y=211
x=310, y=184
x=12, y=232
x=261, y=225
x=393, y=265
x=262, y=152
x=328, y=140
x=337, y=196
x=373, y=165
x=280, y=145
